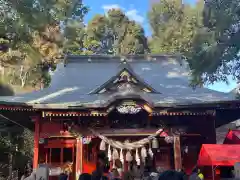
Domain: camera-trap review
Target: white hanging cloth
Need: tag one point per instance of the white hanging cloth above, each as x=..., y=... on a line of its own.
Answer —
x=137, y=158
x=150, y=152
x=143, y=154
x=109, y=153
x=129, y=157
x=122, y=158
x=114, y=165
x=115, y=154
x=102, y=145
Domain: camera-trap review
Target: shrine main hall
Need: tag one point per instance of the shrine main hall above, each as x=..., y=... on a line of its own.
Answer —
x=136, y=109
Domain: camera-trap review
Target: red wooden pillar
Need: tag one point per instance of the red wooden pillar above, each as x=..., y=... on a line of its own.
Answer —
x=79, y=157
x=61, y=156
x=46, y=156
x=177, y=153
x=36, y=142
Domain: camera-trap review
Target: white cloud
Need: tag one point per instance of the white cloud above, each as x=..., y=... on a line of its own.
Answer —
x=110, y=6
x=133, y=14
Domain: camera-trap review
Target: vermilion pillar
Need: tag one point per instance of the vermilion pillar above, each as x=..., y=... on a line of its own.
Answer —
x=177, y=153
x=79, y=157
x=36, y=142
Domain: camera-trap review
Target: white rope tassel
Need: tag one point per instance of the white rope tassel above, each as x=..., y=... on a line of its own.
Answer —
x=137, y=158
x=102, y=145
x=129, y=157
x=115, y=154
x=143, y=154
x=109, y=153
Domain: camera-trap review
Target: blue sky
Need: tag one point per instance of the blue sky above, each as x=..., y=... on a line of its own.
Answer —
x=137, y=10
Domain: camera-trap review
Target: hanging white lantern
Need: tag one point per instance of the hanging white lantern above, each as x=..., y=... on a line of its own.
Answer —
x=155, y=144
x=137, y=158
x=129, y=157
x=115, y=154
x=109, y=153
x=102, y=146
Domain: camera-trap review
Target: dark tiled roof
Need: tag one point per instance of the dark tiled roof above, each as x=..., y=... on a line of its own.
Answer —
x=73, y=83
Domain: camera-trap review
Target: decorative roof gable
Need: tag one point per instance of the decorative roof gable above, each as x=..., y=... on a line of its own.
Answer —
x=124, y=80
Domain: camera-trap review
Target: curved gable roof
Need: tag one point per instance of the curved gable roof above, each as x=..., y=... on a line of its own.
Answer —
x=71, y=83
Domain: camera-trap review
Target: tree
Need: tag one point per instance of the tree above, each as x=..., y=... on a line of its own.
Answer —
x=16, y=145
x=216, y=47
x=35, y=34
x=174, y=25
x=180, y=28
x=114, y=33
x=74, y=33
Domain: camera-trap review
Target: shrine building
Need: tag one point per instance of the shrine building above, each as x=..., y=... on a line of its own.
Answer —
x=134, y=109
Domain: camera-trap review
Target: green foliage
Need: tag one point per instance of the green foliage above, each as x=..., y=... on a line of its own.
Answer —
x=18, y=144
x=174, y=26
x=21, y=140
x=114, y=33
x=26, y=147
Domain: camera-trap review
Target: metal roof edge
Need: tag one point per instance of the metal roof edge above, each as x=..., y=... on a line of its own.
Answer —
x=14, y=103
x=69, y=105
x=217, y=104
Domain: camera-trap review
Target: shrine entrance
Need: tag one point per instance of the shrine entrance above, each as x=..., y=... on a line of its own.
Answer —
x=129, y=122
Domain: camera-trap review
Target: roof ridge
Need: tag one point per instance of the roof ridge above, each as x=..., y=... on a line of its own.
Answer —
x=120, y=58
